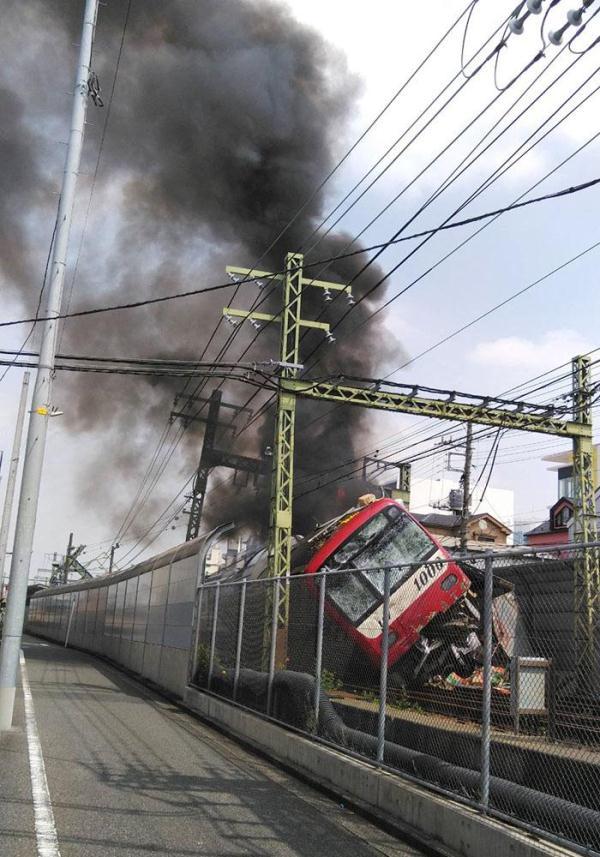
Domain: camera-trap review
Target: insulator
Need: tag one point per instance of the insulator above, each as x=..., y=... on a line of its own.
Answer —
x=327, y=296
x=233, y=277
x=231, y=321
x=255, y=324
x=330, y=337
x=260, y=284
x=350, y=299
x=515, y=25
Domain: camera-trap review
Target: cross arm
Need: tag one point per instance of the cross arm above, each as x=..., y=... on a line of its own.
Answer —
x=439, y=408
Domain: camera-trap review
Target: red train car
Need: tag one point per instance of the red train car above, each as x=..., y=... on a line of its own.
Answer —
x=426, y=586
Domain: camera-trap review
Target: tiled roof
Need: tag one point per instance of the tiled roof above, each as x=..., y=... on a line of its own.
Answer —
x=541, y=529
x=436, y=519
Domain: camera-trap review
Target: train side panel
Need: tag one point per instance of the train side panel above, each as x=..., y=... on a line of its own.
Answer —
x=141, y=618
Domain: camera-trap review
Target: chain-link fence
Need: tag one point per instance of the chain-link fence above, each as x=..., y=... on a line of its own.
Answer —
x=477, y=676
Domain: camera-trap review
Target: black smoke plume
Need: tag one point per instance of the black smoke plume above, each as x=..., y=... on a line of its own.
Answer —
x=226, y=114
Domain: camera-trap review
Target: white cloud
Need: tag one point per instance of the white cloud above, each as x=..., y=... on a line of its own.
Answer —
x=533, y=355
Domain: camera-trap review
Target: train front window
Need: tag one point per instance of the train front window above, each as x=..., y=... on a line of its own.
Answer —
x=390, y=538
x=352, y=595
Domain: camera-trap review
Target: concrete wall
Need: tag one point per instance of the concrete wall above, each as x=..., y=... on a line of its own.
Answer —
x=447, y=827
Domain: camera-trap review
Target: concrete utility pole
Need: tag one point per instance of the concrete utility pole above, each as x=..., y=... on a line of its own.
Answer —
x=466, y=484
x=42, y=392
x=12, y=475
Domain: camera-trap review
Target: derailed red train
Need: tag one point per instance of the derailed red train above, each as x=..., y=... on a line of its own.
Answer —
x=425, y=585
x=434, y=619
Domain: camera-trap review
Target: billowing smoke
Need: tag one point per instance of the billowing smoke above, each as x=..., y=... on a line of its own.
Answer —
x=226, y=114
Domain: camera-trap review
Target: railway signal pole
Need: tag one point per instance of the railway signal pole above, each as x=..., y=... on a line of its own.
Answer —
x=42, y=391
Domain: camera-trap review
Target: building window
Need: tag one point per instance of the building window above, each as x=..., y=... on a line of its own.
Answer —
x=562, y=517
x=566, y=483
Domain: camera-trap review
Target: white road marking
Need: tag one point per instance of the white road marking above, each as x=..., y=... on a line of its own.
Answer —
x=45, y=828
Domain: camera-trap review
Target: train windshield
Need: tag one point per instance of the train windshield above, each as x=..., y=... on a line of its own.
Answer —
x=390, y=538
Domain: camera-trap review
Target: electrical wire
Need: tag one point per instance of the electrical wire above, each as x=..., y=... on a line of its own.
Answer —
x=444, y=186
x=363, y=251
x=410, y=78
x=383, y=245
x=450, y=253
x=482, y=187
x=262, y=299
x=39, y=302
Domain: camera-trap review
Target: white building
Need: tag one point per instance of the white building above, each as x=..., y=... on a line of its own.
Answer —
x=431, y=495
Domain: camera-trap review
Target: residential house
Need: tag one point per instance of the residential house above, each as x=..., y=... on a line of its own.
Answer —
x=555, y=529
x=484, y=531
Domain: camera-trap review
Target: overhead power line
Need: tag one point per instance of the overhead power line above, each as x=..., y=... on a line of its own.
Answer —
x=507, y=164
x=496, y=174
x=568, y=191
x=267, y=292
x=39, y=302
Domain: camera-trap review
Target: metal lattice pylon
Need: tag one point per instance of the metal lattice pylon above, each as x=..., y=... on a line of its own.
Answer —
x=587, y=577
x=282, y=484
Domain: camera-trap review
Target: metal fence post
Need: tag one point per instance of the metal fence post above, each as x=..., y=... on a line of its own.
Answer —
x=487, y=681
x=273, y=643
x=70, y=622
x=319, y=654
x=384, y=666
x=551, y=701
x=240, y=634
x=213, y=636
x=197, y=615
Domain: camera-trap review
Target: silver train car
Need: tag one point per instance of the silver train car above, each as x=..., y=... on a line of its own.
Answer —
x=141, y=618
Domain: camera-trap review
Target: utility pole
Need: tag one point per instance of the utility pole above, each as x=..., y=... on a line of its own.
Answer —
x=70, y=563
x=12, y=475
x=211, y=456
x=466, y=486
x=42, y=392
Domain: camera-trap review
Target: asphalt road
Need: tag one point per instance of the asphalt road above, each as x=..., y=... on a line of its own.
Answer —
x=132, y=775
